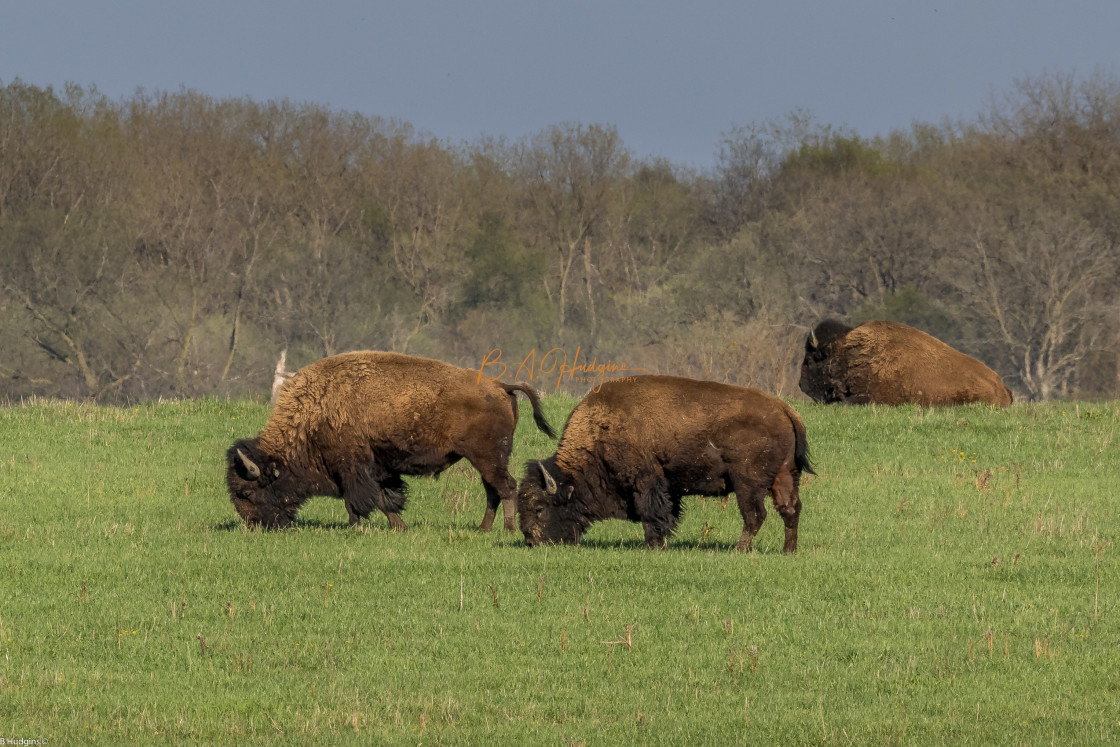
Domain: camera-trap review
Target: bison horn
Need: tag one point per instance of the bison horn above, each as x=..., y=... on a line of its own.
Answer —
x=250, y=466
x=813, y=340
x=549, y=483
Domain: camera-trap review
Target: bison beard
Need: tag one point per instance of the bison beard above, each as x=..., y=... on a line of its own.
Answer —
x=634, y=449
x=351, y=425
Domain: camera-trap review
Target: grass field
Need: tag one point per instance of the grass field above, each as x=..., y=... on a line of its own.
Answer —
x=957, y=582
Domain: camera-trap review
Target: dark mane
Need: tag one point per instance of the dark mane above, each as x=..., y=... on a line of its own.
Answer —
x=827, y=333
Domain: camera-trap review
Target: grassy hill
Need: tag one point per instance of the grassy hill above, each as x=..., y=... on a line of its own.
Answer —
x=956, y=582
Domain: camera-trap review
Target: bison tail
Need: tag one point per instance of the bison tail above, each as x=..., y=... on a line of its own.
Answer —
x=801, y=446
x=538, y=415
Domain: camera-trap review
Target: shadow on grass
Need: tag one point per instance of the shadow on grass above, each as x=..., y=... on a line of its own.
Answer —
x=379, y=524
x=681, y=545
x=235, y=525
x=510, y=539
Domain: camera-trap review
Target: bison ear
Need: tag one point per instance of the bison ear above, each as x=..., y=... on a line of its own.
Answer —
x=251, y=468
x=549, y=483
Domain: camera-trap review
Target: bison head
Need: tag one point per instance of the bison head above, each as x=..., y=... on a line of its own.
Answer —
x=544, y=502
x=256, y=486
x=819, y=368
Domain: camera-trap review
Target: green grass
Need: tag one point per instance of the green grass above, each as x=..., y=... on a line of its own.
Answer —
x=956, y=582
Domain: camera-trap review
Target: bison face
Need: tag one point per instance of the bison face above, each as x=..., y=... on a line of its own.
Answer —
x=819, y=370
x=544, y=502
x=255, y=483
x=814, y=380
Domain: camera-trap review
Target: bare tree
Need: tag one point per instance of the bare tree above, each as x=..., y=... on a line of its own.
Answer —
x=173, y=243
x=1040, y=287
x=569, y=173
x=67, y=260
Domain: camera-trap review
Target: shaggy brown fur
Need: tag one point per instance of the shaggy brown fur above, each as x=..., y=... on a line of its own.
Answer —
x=350, y=425
x=636, y=447
x=892, y=364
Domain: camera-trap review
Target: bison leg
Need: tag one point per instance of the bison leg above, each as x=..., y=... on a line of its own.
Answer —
x=492, y=501
x=359, y=496
x=752, y=505
x=509, y=505
x=395, y=521
x=655, y=509
x=791, y=520
x=786, y=500
x=500, y=488
x=393, y=494
x=508, y=501
x=370, y=488
x=355, y=517
x=509, y=510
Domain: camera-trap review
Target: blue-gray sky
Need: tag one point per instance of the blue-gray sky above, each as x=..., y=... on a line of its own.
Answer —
x=670, y=76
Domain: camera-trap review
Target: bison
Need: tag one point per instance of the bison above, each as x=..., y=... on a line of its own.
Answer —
x=350, y=425
x=892, y=364
x=634, y=448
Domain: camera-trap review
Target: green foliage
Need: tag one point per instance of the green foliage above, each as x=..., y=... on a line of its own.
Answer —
x=714, y=284
x=502, y=273
x=376, y=227
x=841, y=155
x=501, y=304
x=957, y=581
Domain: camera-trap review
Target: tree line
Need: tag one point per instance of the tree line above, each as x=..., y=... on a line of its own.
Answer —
x=171, y=244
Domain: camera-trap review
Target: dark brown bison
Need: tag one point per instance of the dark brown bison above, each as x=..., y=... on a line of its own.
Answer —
x=350, y=425
x=636, y=447
x=892, y=364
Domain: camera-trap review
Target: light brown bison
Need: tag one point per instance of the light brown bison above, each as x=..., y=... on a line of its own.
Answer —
x=636, y=447
x=892, y=364
x=350, y=425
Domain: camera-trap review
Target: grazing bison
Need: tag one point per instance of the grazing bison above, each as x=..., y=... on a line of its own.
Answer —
x=892, y=364
x=636, y=447
x=350, y=425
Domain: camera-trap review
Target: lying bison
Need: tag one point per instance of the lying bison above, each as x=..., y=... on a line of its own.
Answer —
x=350, y=425
x=892, y=364
x=635, y=448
